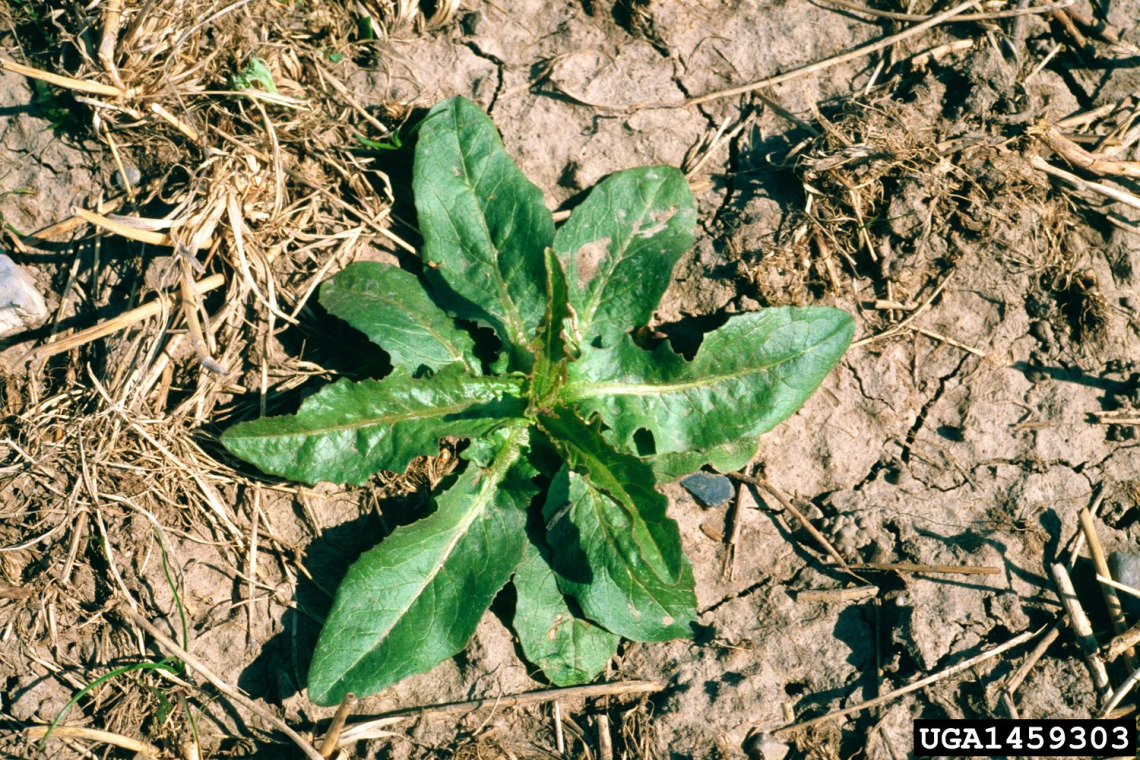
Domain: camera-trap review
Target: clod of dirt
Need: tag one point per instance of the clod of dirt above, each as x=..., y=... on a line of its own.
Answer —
x=853, y=535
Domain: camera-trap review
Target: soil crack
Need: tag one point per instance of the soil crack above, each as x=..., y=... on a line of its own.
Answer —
x=920, y=419
x=746, y=591
x=500, y=66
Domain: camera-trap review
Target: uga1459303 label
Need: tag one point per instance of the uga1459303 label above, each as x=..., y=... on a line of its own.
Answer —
x=1040, y=738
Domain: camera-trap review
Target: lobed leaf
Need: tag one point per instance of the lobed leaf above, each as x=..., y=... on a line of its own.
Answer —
x=568, y=649
x=619, y=248
x=391, y=308
x=751, y=373
x=594, y=553
x=485, y=225
x=415, y=599
x=349, y=430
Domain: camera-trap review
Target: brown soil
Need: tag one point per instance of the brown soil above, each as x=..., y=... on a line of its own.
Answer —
x=998, y=336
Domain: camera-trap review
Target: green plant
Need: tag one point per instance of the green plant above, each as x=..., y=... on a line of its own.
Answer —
x=374, y=145
x=256, y=76
x=571, y=422
x=169, y=664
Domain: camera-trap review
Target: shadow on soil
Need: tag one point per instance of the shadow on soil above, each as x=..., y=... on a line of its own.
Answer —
x=279, y=672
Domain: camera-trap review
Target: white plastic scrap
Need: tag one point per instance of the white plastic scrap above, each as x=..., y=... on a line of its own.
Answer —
x=21, y=305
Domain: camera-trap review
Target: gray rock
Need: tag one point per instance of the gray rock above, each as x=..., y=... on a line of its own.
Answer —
x=21, y=305
x=761, y=746
x=132, y=174
x=708, y=489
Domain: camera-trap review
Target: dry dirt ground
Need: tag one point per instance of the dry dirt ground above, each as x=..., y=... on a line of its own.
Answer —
x=992, y=393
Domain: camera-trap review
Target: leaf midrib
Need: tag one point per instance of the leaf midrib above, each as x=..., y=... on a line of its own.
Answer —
x=435, y=411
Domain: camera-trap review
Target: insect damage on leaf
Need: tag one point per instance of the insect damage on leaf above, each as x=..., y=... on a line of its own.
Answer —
x=555, y=496
x=657, y=223
x=588, y=260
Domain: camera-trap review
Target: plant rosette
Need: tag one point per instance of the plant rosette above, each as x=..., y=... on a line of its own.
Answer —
x=572, y=424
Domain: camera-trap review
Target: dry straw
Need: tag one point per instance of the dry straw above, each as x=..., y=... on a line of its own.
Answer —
x=223, y=187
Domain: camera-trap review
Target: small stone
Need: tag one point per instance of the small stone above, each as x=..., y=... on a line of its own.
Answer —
x=1125, y=568
x=21, y=305
x=761, y=746
x=709, y=490
x=132, y=174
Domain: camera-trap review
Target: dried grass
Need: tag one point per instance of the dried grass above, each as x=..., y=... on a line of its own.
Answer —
x=890, y=209
x=879, y=197
x=107, y=446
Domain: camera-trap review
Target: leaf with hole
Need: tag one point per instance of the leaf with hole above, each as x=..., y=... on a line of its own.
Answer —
x=749, y=374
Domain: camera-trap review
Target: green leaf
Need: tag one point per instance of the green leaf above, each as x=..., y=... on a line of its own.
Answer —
x=751, y=373
x=628, y=485
x=349, y=430
x=559, y=337
x=393, y=310
x=415, y=599
x=619, y=248
x=556, y=341
x=728, y=457
x=569, y=650
x=596, y=556
x=395, y=143
x=485, y=225
x=256, y=74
